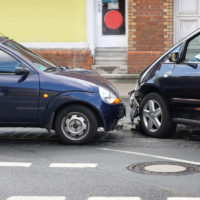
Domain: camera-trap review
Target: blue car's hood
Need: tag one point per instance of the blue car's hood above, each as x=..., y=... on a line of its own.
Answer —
x=76, y=80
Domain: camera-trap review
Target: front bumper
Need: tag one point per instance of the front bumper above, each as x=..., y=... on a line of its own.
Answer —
x=134, y=107
x=111, y=115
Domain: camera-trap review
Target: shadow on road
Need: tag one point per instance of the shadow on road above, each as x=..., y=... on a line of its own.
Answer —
x=37, y=135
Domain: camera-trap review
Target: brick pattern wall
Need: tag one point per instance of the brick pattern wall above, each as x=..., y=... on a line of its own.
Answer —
x=68, y=58
x=169, y=19
x=150, y=30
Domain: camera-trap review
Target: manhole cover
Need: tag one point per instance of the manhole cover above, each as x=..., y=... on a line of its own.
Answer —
x=165, y=168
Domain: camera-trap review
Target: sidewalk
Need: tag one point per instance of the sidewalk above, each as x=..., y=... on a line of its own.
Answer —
x=124, y=89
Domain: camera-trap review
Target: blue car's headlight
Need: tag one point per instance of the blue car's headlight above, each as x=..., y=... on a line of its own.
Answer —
x=108, y=97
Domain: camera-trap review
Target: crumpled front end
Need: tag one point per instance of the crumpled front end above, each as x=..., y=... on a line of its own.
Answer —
x=112, y=114
x=134, y=107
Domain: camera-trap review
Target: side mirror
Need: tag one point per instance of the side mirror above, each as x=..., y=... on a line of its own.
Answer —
x=174, y=57
x=22, y=71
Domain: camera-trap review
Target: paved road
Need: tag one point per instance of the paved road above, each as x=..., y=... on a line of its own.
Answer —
x=34, y=165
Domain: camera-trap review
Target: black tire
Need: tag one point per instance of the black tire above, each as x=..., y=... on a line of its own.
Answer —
x=75, y=124
x=153, y=124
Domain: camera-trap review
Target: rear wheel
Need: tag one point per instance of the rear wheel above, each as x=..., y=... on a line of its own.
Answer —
x=76, y=125
x=155, y=116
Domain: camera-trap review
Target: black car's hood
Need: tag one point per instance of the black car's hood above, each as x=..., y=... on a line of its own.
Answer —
x=88, y=75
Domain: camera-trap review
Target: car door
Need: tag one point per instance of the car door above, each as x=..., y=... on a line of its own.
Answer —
x=186, y=75
x=163, y=73
x=19, y=94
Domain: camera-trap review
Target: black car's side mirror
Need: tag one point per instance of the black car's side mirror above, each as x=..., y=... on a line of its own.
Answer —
x=22, y=71
x=174, y=57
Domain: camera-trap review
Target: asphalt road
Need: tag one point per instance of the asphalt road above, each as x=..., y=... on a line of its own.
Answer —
x=34, y=165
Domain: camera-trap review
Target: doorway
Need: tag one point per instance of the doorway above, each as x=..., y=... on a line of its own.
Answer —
x=186, y=18
x=111, y=23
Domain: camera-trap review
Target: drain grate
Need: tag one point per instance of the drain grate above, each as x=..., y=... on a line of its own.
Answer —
x=164, y=168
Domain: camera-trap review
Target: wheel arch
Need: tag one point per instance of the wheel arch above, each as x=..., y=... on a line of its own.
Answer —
x=150, y=88
x=89, y=106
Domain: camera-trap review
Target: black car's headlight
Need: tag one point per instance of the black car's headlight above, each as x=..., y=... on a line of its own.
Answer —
x=108, y=97
x=136, y=86
x=131, y=99
x=133, y=102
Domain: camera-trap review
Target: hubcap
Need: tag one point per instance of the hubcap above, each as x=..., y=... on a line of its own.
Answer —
x=75, y=126
x=152, y=115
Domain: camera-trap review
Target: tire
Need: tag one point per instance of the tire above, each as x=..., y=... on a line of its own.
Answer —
x=155, y=117
x=76, y=124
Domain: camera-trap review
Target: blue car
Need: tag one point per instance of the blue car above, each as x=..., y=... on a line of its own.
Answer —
x=36, y=93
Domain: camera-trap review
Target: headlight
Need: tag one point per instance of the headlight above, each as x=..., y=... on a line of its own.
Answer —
x=133, y=101
x=136, y=86
x=107, y=96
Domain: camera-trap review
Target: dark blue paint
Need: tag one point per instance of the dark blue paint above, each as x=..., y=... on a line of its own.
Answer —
x=22, y=102
x=19, y=99
x=109, y=114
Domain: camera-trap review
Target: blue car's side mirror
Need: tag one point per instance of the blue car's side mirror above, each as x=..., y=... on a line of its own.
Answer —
x=22, y=71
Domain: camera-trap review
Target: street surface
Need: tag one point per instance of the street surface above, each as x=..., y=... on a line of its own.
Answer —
x=32, y=164
x=35, y=166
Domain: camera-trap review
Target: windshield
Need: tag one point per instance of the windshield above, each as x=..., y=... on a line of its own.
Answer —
x=37, y=61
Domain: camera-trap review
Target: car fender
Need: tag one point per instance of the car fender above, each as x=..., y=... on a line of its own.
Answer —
x=89, y=99
x=149, y=87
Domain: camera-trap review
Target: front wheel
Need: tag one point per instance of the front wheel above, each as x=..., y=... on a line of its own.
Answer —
x=75, y=125
x=155, y=117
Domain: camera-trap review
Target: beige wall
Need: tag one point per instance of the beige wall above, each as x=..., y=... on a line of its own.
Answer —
x=44, y=20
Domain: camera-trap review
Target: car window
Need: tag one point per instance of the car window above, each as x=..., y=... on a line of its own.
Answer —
x=39, y=62
x=193, y=50
x=8, y=64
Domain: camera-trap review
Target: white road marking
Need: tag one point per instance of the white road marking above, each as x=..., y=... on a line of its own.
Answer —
x=92, y=198
x=151, y=156
x=73, y=165
x=183, y=198
x=14, y=164
x=37, y=198
x=114, y=198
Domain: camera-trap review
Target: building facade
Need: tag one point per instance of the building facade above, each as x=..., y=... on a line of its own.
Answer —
x=111, y=36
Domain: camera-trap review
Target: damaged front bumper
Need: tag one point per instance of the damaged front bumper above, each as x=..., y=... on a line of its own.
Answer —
x=134, y=107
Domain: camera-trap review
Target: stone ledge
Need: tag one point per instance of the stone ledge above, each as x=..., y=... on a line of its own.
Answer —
x=121, y=78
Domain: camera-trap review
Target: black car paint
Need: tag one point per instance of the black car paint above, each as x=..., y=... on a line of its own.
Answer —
x=178, y=83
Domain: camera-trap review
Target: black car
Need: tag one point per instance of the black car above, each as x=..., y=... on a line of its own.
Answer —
x=167, y=93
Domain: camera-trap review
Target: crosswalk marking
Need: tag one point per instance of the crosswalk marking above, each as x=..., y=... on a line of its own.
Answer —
x=37, y=198
x=14, y=164
x=183, y=198
x=73, y=165
x=114, y=198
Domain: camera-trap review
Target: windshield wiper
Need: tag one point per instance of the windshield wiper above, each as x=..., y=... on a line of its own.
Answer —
x=50, y=69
